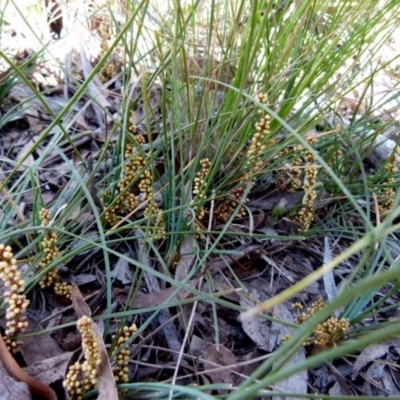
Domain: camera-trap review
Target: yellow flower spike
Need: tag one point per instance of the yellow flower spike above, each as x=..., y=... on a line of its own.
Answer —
x=51, y=252
x=17, y=302
x=121, y=370
x=388, y=193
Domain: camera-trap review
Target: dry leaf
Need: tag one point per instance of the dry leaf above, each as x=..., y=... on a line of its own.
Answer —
x=279, y=330
x=29, y=161
x=19, y=374
x=342, y=388
x=379, y=376
x=222, y=357
x=187, y=256
x=38, y=347
x=369, y=354
x=256, y=328
x=122, y=271
x=10, y=389
x=50, y=370
x=212, y=357
x=329, y=278
x=152, y=299
x=296, y=383
x=79, y=304
x=107, y=386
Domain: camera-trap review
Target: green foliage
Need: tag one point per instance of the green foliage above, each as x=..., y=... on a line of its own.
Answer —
x=208, y=64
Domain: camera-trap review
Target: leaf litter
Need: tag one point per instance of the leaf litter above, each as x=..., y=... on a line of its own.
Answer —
x=219, y=347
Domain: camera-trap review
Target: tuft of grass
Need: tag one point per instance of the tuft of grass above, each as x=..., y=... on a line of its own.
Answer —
x=187, y=81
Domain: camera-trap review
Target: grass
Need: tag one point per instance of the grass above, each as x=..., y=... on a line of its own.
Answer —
x=309, y=58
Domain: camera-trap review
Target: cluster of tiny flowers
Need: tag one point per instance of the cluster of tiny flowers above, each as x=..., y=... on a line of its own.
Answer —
x=51, y=252
x=225, y=209
x=156, y=221
x=387, y=197
x=259, y=139
x=120, y=369
x=127, y=201
x=258, y=144
x=294, y=170
x=200, y=187
x=325, y=334
x=17, y=302
x=311, y=311
x=75, y=383
x=307, y=161
x=83, y=377
x=104, y=32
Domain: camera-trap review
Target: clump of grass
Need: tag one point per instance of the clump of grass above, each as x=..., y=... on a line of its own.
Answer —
x=212, y=151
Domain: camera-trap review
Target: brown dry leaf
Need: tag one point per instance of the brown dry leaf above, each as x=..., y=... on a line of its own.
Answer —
x=79, y=304
x=212, y=357
x=10, y=389
x=107, y=386
x=222, y=357
x=39, y=347
x=50, y=370
x=152, y=299
x=69, y=341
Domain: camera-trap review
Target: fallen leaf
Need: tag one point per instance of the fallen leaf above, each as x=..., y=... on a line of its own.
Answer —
x=50, y=370
x=214, y=357
x=38, y=347
x=152, y=299
x=29, y=161
x=369, y=354
x=107, y=387
x=16, y=372
x=10, y=389
x=379, y=376
x=279, y=330
x=296, y=383
x=257, y=329
x=213, y=354
x=79, y=304
x=329, y=278
x=122, y=271
x=187, y=257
